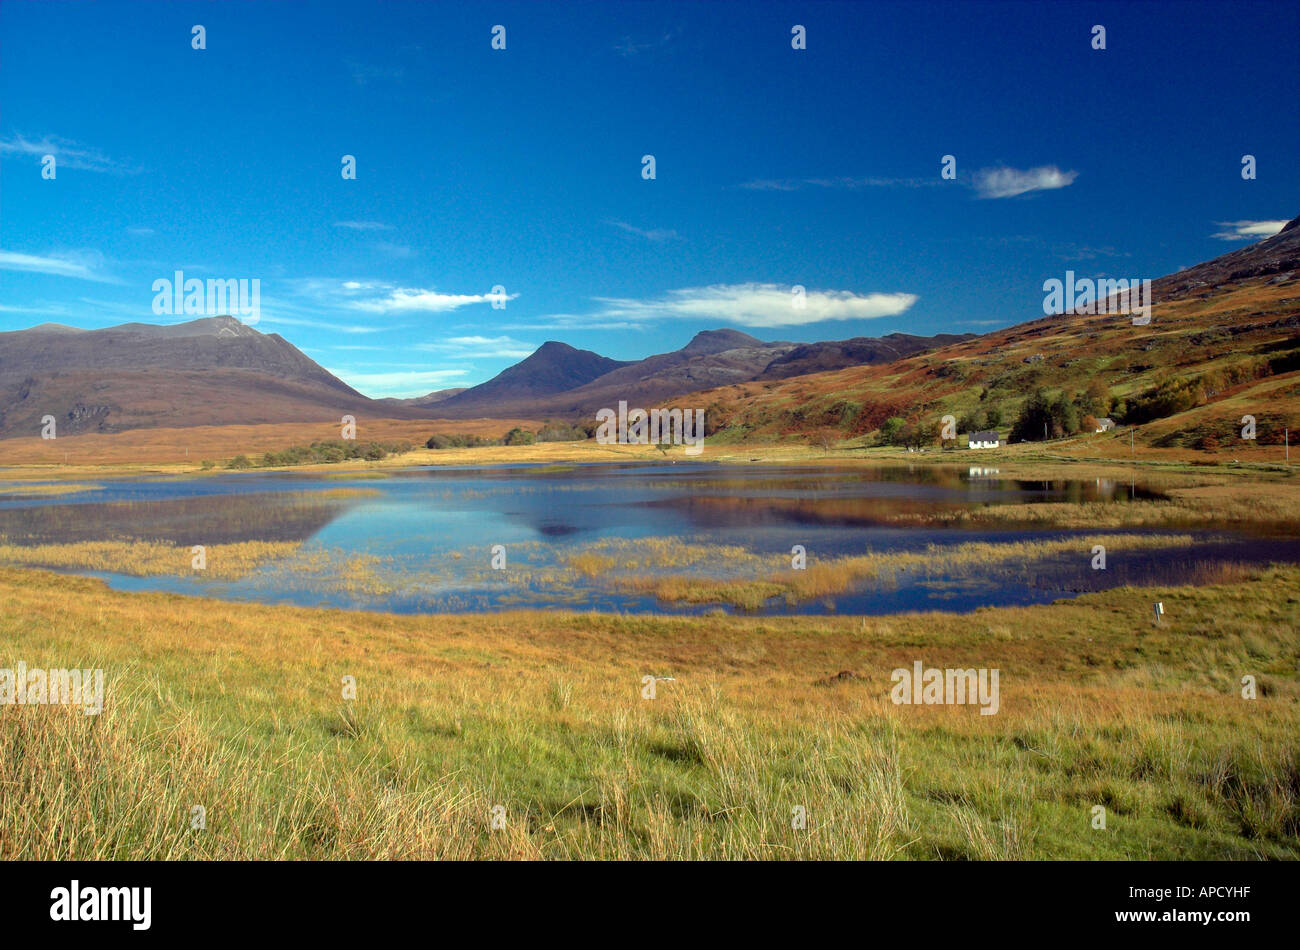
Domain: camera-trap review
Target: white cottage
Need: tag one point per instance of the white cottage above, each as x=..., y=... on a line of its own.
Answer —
x=984, y=440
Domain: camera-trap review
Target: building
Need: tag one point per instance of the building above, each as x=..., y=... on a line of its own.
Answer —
x=984, y=440
x=1105, y=425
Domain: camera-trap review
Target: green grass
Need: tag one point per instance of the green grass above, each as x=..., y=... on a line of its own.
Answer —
x=238, y=708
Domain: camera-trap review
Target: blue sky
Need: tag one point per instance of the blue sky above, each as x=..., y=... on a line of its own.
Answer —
x=522, y=167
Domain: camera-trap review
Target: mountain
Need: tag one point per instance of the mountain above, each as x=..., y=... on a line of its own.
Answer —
x=859, y=351
x=1274, y=256
x=719, y=341
x=429, y=399
x=553, y=368
x=712, y=358
x=213, y=371
x=1223, y=342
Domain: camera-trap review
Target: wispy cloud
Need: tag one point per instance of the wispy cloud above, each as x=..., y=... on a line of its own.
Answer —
x=1004, y=182
x=479, y=347
x=1083, y=252
x=633, y=46
x=67, y=153
x=272, y=316
x=748, y=305
x=141, y=232
x=399, y=383
x=365, y=73
x=841, y=182
x=363, y=225
x=573, y=321
x=1248, y=230
x=83, y=265
x=399, y=251
x=658, y=235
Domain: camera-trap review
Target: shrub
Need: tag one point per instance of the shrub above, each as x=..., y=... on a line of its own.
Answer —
x=1047, y=416
x=441, y=441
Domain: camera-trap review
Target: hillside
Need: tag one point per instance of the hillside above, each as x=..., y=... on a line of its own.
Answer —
x=859, y=351
x=429, y=399
x=213, y=371
x=1223, y=342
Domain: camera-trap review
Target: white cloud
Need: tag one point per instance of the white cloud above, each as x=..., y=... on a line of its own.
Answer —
x=85, y=265
x=141, y=232
x=375, y=297
x=658, y=235
x=1248, y=230
x=363, y=225
x=67, y=154
x=754, y=305
x=1003, y=182
x=414, y=299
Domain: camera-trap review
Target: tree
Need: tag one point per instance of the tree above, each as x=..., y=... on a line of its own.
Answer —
x=891, y=430
x=518, y=436
x=1095, y=400
x=826, y=439
x=1045, y=416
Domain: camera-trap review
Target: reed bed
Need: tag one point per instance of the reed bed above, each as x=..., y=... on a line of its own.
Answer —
x=149, y=558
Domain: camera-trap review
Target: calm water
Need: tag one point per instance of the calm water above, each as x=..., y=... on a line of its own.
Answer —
x=421, y=540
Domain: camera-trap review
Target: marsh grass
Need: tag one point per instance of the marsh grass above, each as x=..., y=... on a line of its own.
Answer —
x=46, y=488
x=827, y=578
x=237, y=708
x=1214, y=506
x=148, y=558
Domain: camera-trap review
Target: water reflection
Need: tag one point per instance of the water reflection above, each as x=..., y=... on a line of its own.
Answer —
x=419, y=539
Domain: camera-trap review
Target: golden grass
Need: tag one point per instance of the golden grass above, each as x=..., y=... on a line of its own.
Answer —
x=827, y=578
x=1212, y=506
x=237, y=708
x=183, y=449
x=148, y=558
x=56, y=488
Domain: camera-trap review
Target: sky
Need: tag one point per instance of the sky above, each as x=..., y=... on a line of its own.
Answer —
x=501, y=199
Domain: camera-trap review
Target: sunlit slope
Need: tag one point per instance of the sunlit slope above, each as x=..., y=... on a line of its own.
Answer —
x=1230, y=350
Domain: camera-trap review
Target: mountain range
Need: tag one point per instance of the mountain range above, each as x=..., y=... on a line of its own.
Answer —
x=219, y=371
x=1227, y=321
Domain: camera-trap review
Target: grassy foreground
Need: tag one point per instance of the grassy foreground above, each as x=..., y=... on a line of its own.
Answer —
x=238, y=708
